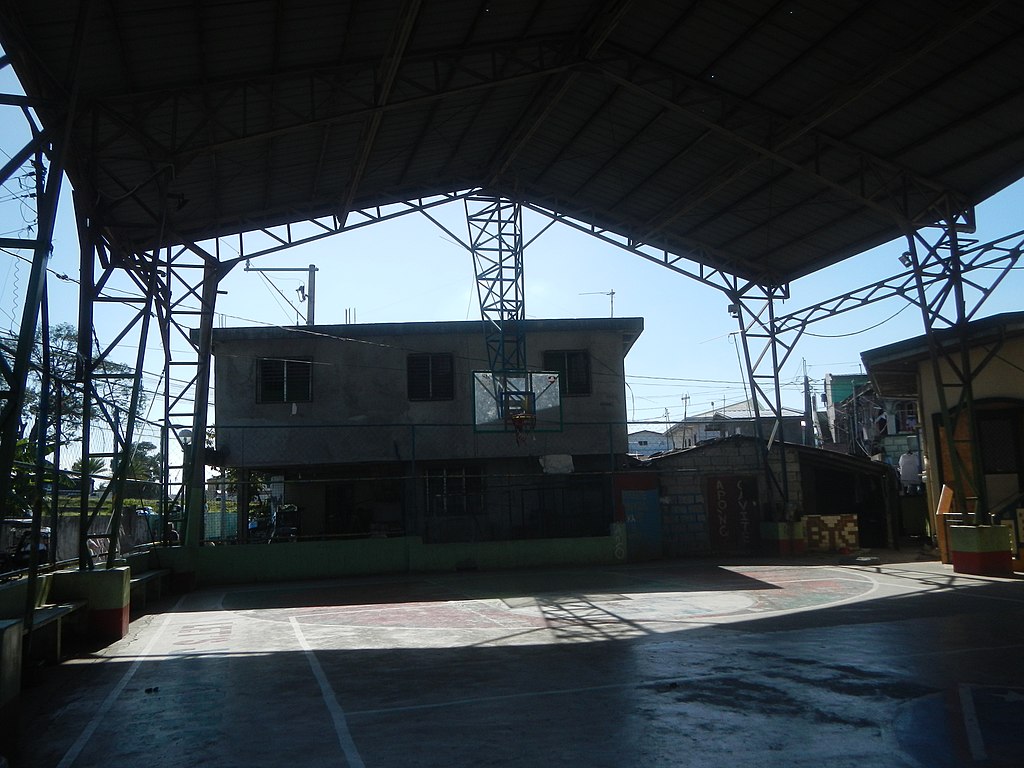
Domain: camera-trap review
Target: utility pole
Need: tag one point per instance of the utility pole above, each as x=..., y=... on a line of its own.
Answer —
x=611, y=299
x=808, y=410
x=306, y=292
x=686, y=426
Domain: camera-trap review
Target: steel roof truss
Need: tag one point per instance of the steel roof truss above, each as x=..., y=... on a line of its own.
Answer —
x=793, y=144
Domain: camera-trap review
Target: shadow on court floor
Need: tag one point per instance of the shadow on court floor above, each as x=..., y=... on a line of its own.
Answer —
x=887, y=662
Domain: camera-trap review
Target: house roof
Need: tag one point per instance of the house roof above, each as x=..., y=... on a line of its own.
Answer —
x=740, y=410
x=807, y=453
x=894, y=368
x=761, y=138
x=629, y=327
x=645, y=433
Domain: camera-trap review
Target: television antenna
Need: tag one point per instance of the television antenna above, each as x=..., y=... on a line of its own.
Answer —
x=611, y=299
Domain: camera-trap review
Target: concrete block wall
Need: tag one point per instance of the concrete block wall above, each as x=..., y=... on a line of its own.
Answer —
x=831, y=533
x=684, y=508
x=683, y=477
x=684, y=516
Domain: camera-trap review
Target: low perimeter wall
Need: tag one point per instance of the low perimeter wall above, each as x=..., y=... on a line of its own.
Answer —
x=285, y=561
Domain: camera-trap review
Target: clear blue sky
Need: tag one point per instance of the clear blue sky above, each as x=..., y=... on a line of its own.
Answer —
x=409, y=270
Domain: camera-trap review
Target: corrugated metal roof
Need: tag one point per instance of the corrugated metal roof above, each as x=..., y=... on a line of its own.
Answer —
x=770, y=139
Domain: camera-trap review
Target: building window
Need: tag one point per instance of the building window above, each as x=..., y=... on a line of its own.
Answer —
x=284, y=380
x=573, y=366
x=906, y=416
x=453, y=491
x=641, y=442
x=430, y=376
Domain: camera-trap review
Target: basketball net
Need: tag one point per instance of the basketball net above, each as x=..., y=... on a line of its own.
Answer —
x=522, y=424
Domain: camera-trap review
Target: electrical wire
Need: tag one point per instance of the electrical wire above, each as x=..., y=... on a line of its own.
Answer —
x=862, y=330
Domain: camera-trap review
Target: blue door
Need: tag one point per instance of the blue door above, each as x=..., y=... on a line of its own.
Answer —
x=643, y=524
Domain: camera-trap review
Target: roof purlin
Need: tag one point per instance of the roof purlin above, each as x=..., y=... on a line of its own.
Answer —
x=428, y=123
x=761, y=151
x=387, y=73
x=586, y=43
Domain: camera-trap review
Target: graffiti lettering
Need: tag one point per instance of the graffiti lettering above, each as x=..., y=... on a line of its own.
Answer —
x=722, y=505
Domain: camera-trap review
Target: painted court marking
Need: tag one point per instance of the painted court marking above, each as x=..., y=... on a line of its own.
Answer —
x=76, y=749
x=348, y=746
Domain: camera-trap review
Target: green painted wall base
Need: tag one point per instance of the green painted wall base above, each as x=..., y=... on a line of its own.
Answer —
x=785, y=538
x=286, y=561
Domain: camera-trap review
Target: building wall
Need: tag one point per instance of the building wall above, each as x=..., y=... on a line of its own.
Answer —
x=686, y=511
x=360, y=410
x=1002, y=377
x=820, y=484
x=647, y=442
x=838, y=389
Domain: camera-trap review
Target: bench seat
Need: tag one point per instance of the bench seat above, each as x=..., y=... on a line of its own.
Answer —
x=47, y=630
x=145, y=585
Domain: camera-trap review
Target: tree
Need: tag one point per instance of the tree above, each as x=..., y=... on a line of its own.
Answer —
x=91, y=469
x=23, y=481
x=143, y=472
x=65, y=395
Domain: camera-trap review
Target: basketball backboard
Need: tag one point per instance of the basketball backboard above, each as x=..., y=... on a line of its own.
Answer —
x=516, y=401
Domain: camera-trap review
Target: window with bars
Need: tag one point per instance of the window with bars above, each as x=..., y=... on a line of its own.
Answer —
x=453, y=491
x=573, y=366
x=284, y=380
x=430, y=376
x=906, y=416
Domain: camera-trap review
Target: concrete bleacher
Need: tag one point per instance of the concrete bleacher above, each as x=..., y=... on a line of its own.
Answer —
x=148, y=580
x=95, y=604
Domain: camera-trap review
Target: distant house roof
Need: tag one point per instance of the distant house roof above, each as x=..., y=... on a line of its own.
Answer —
x=810, y=454
x=646, y=433
x=735, y=411
x=893, y=368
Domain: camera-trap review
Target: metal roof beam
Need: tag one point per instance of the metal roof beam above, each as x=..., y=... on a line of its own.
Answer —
x=936, y=85
x=387, y=72
x=582, y=48
x=694, y=265
x=428, y=122
x=773, y=134
x=999, y=255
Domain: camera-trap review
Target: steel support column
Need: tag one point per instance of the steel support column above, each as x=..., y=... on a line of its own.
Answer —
x=765, y=352
x=496, y=241
x=101, y=410
x=49, y=153
x=16, y=378
x=195, y=470
x=947, y=310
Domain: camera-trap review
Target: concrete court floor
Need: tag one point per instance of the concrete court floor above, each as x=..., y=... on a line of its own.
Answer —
x=679, y=663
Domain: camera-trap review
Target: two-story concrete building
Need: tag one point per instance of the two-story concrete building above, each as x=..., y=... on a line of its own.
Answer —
x=395, y=429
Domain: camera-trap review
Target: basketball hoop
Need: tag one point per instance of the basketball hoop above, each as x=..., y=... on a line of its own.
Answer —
x=522, y=423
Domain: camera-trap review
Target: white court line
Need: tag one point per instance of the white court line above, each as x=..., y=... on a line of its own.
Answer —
x=974, y=738
x=348, y=746
x=76, y=749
